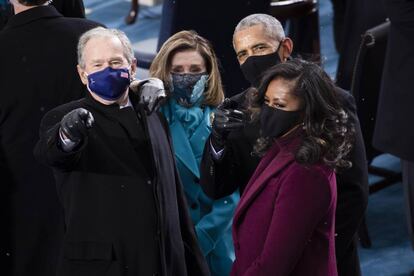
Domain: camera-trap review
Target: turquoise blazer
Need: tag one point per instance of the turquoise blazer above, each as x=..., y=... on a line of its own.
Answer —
x=212, y=218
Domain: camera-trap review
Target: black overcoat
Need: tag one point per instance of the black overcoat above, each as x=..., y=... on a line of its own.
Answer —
x=220, y=178
x=125, y=212
x=37, y=72
x=394, y=132
x=70, y=8
x=360, y=16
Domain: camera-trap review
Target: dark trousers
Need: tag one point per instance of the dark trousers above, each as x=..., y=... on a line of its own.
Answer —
x=408, y=184
x=349, y=263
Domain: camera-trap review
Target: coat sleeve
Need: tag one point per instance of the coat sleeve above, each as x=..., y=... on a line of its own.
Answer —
x=218, y=178
x=213, y=225
x=304, y=198
x=352, y=186
x=47, y=150
x=194, y=259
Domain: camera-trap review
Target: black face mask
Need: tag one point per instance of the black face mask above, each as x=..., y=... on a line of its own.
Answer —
x=275, y=122
x=254, y=66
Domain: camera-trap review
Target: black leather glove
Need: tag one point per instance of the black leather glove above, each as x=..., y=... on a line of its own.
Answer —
x=226, y=120
x=151, y=93
x=74, y=125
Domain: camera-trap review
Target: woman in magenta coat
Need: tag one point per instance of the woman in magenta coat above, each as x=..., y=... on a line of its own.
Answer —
x=284, y=223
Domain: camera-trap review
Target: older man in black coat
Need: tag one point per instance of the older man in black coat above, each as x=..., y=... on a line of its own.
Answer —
x=124, y=206
x=394, y=132
x=227, y=164
x=37, y=73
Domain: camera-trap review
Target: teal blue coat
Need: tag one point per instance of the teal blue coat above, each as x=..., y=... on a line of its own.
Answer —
x=212, y=218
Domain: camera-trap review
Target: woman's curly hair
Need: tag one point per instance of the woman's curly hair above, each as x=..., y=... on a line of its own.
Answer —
x=328, y=129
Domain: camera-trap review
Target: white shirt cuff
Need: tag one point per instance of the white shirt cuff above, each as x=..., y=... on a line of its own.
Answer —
x=216, y=154
x=67, y=144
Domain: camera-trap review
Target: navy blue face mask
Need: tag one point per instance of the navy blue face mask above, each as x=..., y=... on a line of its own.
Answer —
x=109, y=84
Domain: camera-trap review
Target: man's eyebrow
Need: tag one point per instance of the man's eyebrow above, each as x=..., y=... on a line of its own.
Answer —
x=259, y=44
x=241, y=52
x=97, y=60
x=115, y=58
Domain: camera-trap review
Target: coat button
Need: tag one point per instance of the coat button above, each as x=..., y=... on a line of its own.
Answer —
x=149, y=182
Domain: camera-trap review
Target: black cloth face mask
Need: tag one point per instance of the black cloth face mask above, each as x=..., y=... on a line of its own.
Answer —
x=275, y=122
x=254, y=66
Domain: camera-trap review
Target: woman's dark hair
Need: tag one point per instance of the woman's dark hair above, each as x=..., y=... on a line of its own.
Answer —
x=328, y=131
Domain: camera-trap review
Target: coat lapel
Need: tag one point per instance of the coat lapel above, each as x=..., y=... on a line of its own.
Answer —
x=201, y=134
x=182, y=147
x=270, y=166
x=188, y=151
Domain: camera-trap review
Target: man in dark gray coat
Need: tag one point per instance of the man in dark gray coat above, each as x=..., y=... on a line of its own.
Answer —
x=124, y=206
x=37, y=73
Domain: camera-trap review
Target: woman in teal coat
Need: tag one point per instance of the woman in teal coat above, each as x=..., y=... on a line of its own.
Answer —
x=188, y=67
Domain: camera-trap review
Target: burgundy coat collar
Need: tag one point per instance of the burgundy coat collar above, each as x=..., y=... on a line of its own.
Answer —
x=280, y=155
x=30, y=15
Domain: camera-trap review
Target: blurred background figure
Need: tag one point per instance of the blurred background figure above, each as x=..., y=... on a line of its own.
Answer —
x=6, y=10
x=352, y=18
x=214, y=20
x=339, y=9
x=133, y=12
x=394, y=132
x=68, y=8
x=37, y=73
x=187, y=64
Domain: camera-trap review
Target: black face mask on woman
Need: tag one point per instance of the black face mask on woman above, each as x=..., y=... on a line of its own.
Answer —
x=276, y=122
x=254, y=66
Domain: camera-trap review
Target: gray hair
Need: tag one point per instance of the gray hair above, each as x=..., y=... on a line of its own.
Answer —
x=102, y=32
x=273, y=28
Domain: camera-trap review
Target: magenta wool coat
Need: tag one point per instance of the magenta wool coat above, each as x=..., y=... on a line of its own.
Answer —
x=284, y=223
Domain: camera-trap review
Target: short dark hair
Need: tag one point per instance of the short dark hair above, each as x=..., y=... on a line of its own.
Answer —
x=329, y=133
x=33, y=2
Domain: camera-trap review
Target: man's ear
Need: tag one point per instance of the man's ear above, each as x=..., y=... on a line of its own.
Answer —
x=82, y=74
x=133, y=68
x=287, y=48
